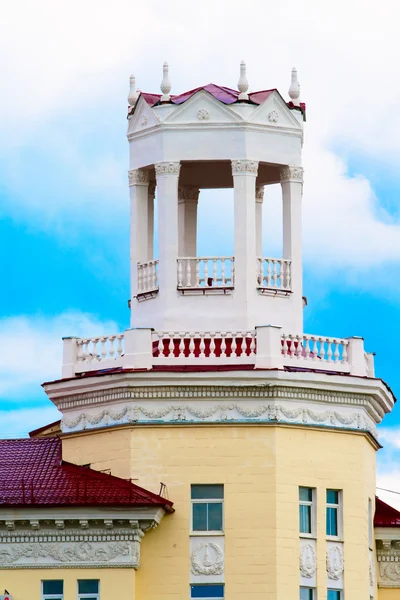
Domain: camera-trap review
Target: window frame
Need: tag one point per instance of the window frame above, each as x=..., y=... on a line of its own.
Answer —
x=208, y=585
x=339, y=515
x=334, y=590
x=313, y=513
x=92, y=595
x=312, y=589
x=51, y=596
x=194, y=501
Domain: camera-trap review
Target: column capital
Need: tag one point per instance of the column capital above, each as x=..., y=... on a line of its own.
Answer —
x=138, y=177
x=291, y=173
x=245, y=167
x=188, y=193
x=260, y=193
x=152, y=188
x=168, y=168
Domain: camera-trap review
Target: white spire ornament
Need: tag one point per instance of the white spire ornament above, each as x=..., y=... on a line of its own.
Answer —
x=294, y=90
x=165, y=84
x=132, y=96
x=243, y=84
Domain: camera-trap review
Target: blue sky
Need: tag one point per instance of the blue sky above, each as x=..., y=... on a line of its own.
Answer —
x=64, y=232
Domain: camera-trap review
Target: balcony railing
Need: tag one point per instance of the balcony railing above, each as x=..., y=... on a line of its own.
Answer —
x=265, y=348
x=274, y=273
x=147, y=280
x=206, y=272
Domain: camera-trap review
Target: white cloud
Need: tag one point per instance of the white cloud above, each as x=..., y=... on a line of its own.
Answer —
x=18, y=423
x=31, y=349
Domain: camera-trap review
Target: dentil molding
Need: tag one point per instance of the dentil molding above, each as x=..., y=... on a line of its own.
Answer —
x=138, y=176
x=167, y=168
x=289, y=173
x=244, y=166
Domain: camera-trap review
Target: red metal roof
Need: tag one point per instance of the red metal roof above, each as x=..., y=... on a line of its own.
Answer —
x=223, y=94
x=385, y=515
x=32, y=473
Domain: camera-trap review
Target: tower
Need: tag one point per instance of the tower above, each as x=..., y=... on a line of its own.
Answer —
x=263, y=436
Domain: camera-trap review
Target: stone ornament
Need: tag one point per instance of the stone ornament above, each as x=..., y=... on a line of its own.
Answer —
x=273, y=116
x=244, y=166
x=188, y=193
x=138, y=177
x=203, y=114
x=143, y=121
x=243, y=84
x=260, y=194
x=132, y=96
x=289, y=173
x=371, y=571
x=294, y=90
x=165, y=84
x=334, y=563
x=308, y=561
x=207, y=559
x=389, y=574
x=167, y=168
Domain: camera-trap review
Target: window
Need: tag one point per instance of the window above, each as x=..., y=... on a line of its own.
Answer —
x=53, y=589
x=207, y=505
x=332, y=512
x=306, y=510
x=334, y=594
x=307, y=593
x=88, y=589
x=214, y=591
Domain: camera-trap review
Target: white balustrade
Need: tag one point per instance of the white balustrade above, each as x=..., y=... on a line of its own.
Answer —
x=316, y=352
x=100, y=352
x=147, y=276
x=274, y=273
x=206, y=272
x=194, y=347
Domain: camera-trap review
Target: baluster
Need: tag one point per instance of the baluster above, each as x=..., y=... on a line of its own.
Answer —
x=314, y=348
x=275, y=274
x=243, y=343
x=234, y=345
x=160, y=344
x=180, y=274
x=223, y=345
x=79, y=355
x=336, y=355
x=284, y=344
x=307, y=347
x=282, y=274
x=289, y=274
x=202, y=345
x=299, y=347
x=95, y=354
x=223, y=282
x=111, y=350
x=269, y=271
x=206, y=272
x=182, y=345
x=86, y=349
x=212, y=344
x=191, y=345
x=188, y=273
x=252, y=343
x=322, y=348
x=329, y=343
x=171, y=345
x=344, y=351
x=215, y=280
x=139, y=278
x=232, y=270
x=120, y=337
x=156, y=273
x=154, y=279
x=144, y=281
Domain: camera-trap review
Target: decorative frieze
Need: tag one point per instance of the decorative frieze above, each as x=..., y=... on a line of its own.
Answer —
x=138, y=177
x=388, y=557
x=240, y=167
x=291, y=173
x=167, y=168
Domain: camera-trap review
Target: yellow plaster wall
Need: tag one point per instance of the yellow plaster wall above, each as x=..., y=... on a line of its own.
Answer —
x=388, y=594
x=26, y=584
x=261, y=468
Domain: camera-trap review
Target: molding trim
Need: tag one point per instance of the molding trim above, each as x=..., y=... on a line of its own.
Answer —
x=138, y=177
x=167, y=168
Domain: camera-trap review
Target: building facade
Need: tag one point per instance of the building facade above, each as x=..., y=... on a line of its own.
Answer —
x=252, y=442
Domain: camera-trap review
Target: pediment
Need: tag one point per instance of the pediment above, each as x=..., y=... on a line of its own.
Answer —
x=274, y=112
x=142, y=118
x=202, y=107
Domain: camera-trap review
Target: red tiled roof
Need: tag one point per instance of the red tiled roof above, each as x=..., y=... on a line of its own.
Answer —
x=385, y=515
x=223, y=94
x=32, y=473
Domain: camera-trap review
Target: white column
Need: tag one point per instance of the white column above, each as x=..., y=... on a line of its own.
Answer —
x=259, y=223
x=150, y=219
x=167, y=175
x=244, y=183
x=187, y=211
x=138, y=183
x=292, y=191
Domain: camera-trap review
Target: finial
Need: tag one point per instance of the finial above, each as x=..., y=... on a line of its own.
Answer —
x=165, y=84
x=294, y=90
x=243, y=84
x=132, y=96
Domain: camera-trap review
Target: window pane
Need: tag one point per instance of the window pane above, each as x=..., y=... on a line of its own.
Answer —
x=88, y=586
x=332, y=497
x=305, y=494
x=331, y=521
x=306, y=593
x=207, y=591
x=207, y=492
x=200, y=517
x=53, y=586
x=214, y=516
x=305, y=519
x=333, y=594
